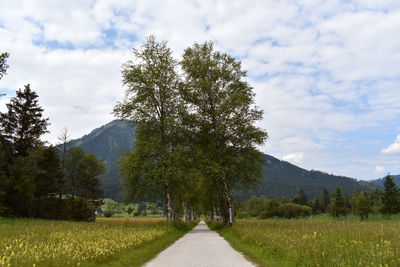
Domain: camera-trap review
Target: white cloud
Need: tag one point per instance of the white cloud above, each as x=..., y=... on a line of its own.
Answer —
x=295, y=158
x=380, y=169
x=321, y=69
x=393, y=148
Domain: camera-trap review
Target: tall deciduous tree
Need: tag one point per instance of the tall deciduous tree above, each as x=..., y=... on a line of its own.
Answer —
x=391, y=197
x=152, y=102
x=222, y=116
x=82, y=171
x=23, y=123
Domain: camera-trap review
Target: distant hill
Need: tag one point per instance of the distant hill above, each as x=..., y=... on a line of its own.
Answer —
x=379, y=182
x=281, y=179
x=107, y=143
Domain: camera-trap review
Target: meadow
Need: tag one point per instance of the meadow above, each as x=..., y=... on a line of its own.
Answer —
x=316, y=242
x=28, y=242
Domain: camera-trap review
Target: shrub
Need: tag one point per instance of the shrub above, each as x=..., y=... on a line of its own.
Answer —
x=272, y=209
x=108, y=213
x=291, y=210
x=242, y=215
x=80, y=210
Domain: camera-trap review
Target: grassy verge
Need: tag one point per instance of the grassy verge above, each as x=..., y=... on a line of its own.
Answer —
x=139, y=256
x=252, y=253
x=311, y=242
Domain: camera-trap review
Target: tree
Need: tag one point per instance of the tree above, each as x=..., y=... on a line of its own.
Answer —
x=46, y=172
x=130, y=210
x=338, y=206
x=3, y=63
x=362, y=205
x=301, y=198
x=82, y=171
x=221, y=117
x=152, y=102
x=391, y=197
x=23, y=123
x=326, y=200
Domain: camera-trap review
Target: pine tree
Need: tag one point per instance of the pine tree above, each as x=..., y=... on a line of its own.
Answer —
x=326, y=200
x=302, y=200
x=338, y=206
x=23, y=123
x=391, y=197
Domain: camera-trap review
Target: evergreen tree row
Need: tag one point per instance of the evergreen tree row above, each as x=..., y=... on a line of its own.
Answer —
x=41, y=181
x=362, y=204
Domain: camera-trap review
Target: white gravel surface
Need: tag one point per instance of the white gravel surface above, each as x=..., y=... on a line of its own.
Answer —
x=200, y=247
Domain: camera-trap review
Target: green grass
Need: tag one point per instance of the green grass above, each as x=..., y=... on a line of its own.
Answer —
x=139, y=256
x=115, y=241
x=319, y=241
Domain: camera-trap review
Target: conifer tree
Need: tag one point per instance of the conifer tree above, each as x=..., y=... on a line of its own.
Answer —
x=326, y=200
x=391, y=197
x=23, y=124
x=338, y=206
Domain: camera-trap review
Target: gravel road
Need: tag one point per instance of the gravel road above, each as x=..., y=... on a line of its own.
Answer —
x=200, y=247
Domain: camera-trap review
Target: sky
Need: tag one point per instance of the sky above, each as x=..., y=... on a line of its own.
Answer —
x=326, y=73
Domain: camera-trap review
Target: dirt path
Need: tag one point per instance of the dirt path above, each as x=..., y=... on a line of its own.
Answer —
x=200, y=247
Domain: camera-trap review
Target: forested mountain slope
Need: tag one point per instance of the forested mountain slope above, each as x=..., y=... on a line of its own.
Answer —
x=281, y=179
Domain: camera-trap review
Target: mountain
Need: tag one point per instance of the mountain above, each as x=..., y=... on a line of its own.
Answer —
x=379, y=182
x=108, y=143
x=281, y=179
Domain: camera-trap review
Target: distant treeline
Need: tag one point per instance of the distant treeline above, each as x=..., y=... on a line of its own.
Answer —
x=37, y=180
x=363, y=204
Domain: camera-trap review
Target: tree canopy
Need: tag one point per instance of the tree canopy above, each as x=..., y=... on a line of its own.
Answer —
x=196, y=127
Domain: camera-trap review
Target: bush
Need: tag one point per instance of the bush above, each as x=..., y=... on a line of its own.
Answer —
x=80, y=210
x=291, y=210
x=287, y=210
x=108, y=213
x=272, y=209
x=242, y=215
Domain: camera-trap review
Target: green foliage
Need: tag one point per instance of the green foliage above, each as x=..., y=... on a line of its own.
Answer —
x=18, y=200
x=338, y=206
x=152, y=102
x=273, y=208
x=242, y=215
x=82, y=171
x=3, y=63
x=46, y=172
x=221, y=117
x=362, y=205
x=23, y=123
x=285, y=210
x=391, y=197
x=130, y=210
x=281, y=179
x=108, y=213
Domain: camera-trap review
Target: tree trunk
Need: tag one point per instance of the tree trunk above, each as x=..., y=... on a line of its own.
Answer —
x=169, y=207
x=229, y=205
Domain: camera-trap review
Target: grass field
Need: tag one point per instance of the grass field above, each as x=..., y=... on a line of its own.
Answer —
x=316, y=242
x=25, y=242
